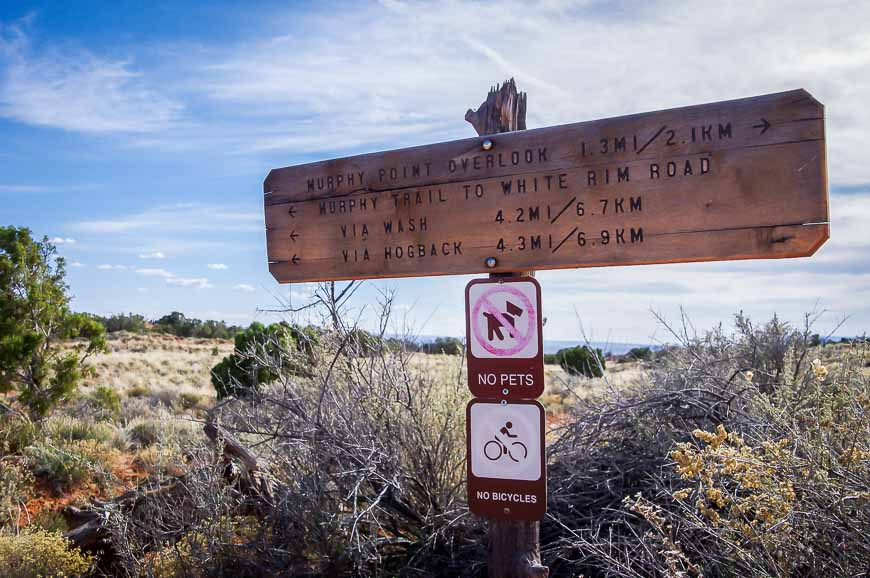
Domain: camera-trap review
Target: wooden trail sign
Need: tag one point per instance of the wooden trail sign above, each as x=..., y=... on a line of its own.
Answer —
x=739, y=179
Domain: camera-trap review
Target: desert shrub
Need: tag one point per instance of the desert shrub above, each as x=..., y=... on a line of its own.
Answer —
x=189, y=400
x=40, y=554
x=582, y=360
x=71, y=429
x=16, y=433
x=106, y=402
x=261, y=354
x=138, y=391
x=50, y=521
x=740, y=457
x=639, y=354
x=791, y=496
x=444, y=345
x=16, y=485
x=165, y=398
x=68, y=464
x=123, y=322
x=34, y=320
x=160, y=461
x=137, y=408
x=366, y=469
x=163, y=429
x=144, y=433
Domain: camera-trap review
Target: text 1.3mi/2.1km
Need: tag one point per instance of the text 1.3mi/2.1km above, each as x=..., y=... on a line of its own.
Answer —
x=730, y=180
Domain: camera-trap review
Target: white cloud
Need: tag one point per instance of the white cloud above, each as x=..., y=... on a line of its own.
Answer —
x=244, y=287
x=329, y=85
x=195, y=282
x=62, y=241
x=217, y=266
x=150, y=272
x=75, y=264
x=322, y=85
x=154, y=255
x=173, y=279
x=224, y=315
x=302, y=291
x=22, y=189
x=180, y=217
x=45, y=189
x=105, y=267
x=73, y=89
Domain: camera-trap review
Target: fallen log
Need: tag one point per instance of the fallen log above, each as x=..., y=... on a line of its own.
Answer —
x=89, y=526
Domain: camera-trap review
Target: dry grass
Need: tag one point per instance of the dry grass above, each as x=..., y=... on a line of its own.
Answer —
x=172, y=371
x=561, y=390
x=158, y=365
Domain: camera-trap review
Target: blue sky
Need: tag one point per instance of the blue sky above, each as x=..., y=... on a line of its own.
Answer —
x=138, y=135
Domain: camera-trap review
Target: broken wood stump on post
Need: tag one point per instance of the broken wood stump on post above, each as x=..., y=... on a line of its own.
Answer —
x=504, y=110
x=514, y=547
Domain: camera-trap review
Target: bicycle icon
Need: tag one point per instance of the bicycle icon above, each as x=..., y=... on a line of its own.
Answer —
x=495, y=448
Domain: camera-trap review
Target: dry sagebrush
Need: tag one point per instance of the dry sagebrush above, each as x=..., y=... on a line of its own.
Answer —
x=365, y=465
x=745, y=455
x=738, y=456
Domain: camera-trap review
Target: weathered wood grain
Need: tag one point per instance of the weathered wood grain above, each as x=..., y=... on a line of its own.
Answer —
x=755, y=165
x=504, y=110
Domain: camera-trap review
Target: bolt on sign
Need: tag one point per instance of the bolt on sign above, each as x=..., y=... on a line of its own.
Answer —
x=739, y=179
x=507, y=474
x=504, y=338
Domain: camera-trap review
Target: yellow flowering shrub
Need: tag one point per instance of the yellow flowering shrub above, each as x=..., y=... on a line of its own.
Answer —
x=750, y=451
x=797, y=496
x=40, y=554
x=745, y=490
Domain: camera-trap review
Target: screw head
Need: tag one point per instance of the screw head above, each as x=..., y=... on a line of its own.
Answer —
x=486, y=144
x=507, y=510
x=505, y=391
x=491, y=262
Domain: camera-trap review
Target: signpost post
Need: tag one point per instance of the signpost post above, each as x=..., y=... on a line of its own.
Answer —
x=514, y=547
x=739, y=179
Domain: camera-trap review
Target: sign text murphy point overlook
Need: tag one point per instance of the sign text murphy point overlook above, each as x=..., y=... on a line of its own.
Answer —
x=740, y=179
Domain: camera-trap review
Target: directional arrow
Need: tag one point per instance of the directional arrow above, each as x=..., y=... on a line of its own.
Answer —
x=295, y=259
x=293, y=235
x=292, y=211
x=764, y=125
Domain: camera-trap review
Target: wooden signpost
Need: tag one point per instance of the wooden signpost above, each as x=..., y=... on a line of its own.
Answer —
x=740, y=179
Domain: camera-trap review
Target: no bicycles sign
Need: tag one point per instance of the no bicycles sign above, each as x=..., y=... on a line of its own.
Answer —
x=503, y=332
x=507, y=477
